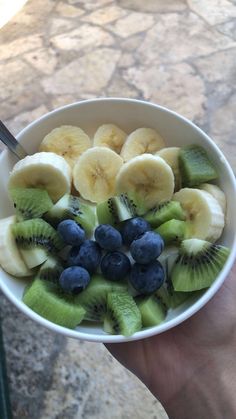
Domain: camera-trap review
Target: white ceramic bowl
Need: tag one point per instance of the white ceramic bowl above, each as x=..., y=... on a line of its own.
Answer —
x=129, y=114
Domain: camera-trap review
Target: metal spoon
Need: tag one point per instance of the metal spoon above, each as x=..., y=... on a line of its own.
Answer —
x=9, y=140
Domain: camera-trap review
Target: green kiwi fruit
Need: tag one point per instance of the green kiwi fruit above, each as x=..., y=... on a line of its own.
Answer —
x=123, y=316
x=36, y=240
x=50, y=270
x=165, y=212
x=30, y=203
x=153, y=312
x=170, y=298
x=197, y=265
x=46, y=299
x=173, y=231
x=115, y=210
x=195, y=166
x=72, y=207
x=94, y=297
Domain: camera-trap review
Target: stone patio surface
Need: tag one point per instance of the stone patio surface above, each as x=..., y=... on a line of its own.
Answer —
x=177, y=53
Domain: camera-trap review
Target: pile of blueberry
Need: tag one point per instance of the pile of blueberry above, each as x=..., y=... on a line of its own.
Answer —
x=86, y=256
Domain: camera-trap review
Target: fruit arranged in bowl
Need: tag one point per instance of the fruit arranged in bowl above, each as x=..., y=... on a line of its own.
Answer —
x=116, y=230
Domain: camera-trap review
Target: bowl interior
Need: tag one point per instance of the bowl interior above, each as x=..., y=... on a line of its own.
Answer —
x=129, y=115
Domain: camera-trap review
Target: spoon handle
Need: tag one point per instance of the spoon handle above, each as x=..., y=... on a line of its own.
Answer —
x=9, y=140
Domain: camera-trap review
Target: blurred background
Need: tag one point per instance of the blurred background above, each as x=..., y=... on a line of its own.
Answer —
x=176, y=53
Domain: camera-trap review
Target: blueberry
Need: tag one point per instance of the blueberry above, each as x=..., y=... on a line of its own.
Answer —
x=108, y=237
x=115, y=266
x=73, y=280
x=88, y=255
x=133, y=228
x=71, y=232
x=147, y=278
x=147, y=247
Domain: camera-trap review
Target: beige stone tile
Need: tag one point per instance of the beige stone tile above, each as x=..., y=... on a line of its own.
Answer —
x=227, y=148
x=120, y=88
x=20, y=45
x=223, y=123
x=32, y=18
x=132, y=44
x=223, y=127
x=89, y=73
x=155, y=6
x=15, y=76
x=66, y=10
x=189, y=37
x=218, y=67
x=20, y=121
x=105, y=15
x=22, y=101
x=133, y=23
x=84, y=367
x=83, y=37
x=44, y=60
x=126, y=60
x=61, y=100
x=90, y=4
x=59, y=25
x=228, y=29
x=213, y=12
x=175, y=86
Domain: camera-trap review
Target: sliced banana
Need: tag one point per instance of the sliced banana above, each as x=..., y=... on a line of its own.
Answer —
x=140, y=141
x=171, y=156
x=205, y=217
x=66, y=141
x=10, y=258
x=147, y=179
x=95, y=172
x=111, y=136
x=217, y=193
x=42, y=170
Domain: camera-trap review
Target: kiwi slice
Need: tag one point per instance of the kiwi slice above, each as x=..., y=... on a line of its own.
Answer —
x=153, y=312
x=36, y=239
x=173, y=231
x=123, y=316
x=72, y=207
x=170, y=298
x=198, y=264
x=115, y=210
x=195, y=166
x=30, y=203
x=165, y=212
x=50, y=270
x=94, y=297
x=46, y=299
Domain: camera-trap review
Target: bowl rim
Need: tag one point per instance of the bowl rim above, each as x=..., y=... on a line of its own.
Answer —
x=190, y=311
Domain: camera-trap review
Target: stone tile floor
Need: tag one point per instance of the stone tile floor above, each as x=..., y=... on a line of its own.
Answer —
x=180, y=54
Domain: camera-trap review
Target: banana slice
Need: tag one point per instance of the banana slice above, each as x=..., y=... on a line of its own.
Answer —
x=140, y=141
x=42, y=170
x=147, y=179
x=66, y=141
x=205, y=217
x=95, y=172
x=171, y=156
x=111, y=136
x=10, y=258
x=217, y=193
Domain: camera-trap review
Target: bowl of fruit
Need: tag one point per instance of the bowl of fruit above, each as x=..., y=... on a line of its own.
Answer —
x=118, y=224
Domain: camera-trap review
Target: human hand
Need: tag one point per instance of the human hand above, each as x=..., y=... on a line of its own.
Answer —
x=191, y=369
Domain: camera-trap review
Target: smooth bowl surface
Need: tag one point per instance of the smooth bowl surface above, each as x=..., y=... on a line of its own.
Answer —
x=128, y=114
